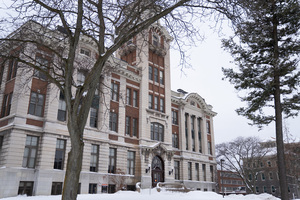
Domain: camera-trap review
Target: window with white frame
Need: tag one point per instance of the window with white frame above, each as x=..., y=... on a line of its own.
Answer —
x=130, y=162
x=94, y=158
x=157, y=131
x=36, y=104
x=114, y=91
x=30, y=151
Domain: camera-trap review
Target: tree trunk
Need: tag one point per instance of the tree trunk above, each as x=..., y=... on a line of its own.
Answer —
x=278, y=112
x=280, y=144
x=74, y=165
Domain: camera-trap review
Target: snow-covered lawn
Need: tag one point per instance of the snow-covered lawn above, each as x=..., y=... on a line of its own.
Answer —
x=153, y=195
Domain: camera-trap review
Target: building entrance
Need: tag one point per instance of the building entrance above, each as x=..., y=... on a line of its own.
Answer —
x=157, y=170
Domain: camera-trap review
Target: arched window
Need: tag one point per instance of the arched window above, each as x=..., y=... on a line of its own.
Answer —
x=157, y=163
x=157, y=131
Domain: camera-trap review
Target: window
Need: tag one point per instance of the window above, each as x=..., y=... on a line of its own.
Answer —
x=263, y=177
x=271, y=175
x=197, y=171
x=80, y=77
x=204, y=172
x=93, y=117
x=175, y=140
x=114, y=91
x=257, y=189
x=127, y=125
x=161, y=77
x=189, y=170
x=209, y=147
x=43, y=64
x=162, y=105
x=36, y=105
x=269, y=164
x=250, y=177
x=135, y=98
x=155, y=103
x=157, y=132
x=155, y=40
x=12, y=69
x=113, y=121
x=1, y=74
x=111, y=188
x=134, y=126
x=192, y=103
x=155, y=74
x=130, y=162
x=79, y=188
x=174, y=117
x=273, y=189
x=208, y=127
x=94, y=158
x=176, y=169
x=6, y=105
x=265, y=189
x=199, y=134
x=112, y=160
x=186, y=132
x=211, y=173
x=193, y=132
x=56, y=188
x=150, y=101
x=62, y=108
x=85, y=51
x=150, y=73
x=60, y=154
x=94, y=110
x=128, y=96
x=30, y=151
x=93, y=188
x=25, y=187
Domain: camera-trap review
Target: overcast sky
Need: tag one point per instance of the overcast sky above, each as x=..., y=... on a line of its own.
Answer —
x=205, y=79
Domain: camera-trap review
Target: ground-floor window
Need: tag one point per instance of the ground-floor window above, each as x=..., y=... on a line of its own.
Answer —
x=131, y=187
x=25, y=187
x=93, y=188
x=104, y=189
x=79, y=188
x=176, y=169
x=111, y=188
x=56, y=188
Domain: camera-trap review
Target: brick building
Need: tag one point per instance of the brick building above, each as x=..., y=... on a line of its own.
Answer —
x=230, y=183
x=138, y=129
x=267, y=179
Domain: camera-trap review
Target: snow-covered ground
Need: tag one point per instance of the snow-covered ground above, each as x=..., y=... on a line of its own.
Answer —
x=153, y=194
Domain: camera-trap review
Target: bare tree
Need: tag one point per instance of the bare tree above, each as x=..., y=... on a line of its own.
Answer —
x=56, y=28
x=119, y=179
x=243, y=156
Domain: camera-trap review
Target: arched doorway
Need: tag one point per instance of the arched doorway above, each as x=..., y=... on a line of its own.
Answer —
x=157, y=170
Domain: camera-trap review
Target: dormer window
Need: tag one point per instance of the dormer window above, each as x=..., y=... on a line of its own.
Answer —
x=85, y=51
x=155, y=40
x=193, y=103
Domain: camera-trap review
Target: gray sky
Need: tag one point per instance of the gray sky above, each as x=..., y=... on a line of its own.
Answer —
x=205, y=79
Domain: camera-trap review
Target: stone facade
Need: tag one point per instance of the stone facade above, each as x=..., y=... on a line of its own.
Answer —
x=130, y=139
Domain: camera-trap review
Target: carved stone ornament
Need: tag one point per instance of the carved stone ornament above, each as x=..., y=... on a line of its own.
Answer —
x=146, y=153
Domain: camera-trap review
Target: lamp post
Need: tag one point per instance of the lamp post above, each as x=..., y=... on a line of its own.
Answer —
x=221, y=177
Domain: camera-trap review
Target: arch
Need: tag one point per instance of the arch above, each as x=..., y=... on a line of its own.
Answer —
x=157, y=170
